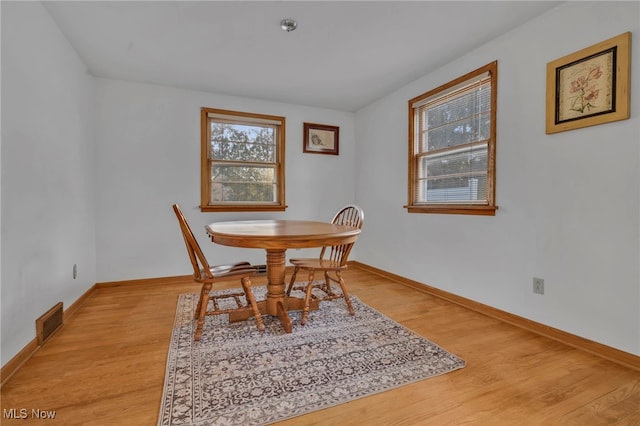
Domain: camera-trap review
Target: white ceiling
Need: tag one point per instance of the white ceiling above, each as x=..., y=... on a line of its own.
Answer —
x=343, y=55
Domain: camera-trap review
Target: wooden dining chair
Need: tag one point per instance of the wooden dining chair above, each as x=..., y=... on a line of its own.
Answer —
x=332, y=266
x=207, y=275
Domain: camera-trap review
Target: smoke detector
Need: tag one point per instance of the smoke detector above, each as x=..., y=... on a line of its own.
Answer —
x=288, y=25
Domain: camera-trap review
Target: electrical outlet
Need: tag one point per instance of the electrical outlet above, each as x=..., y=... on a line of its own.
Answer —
x=75, y=271
x=538, y=285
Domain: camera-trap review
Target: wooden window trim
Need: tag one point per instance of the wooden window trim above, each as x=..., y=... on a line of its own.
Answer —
x=280, y=205
x=456, y=208
x=453, y=209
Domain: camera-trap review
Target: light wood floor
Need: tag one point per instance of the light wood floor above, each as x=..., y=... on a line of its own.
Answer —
x=106, y=367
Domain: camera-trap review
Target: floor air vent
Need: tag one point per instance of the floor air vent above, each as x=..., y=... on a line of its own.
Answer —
x=260, y=269
x=49, y=323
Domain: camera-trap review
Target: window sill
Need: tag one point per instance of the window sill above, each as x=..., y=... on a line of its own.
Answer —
x=454, y=209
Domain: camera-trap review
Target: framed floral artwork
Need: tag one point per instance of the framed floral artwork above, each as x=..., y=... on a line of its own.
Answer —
x=590, y=86
x=321, y=139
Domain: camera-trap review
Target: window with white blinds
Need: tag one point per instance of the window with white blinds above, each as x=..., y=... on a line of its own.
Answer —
x=242, y=161
x=452, y=146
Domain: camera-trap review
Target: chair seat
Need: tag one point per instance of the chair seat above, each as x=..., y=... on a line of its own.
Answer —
x=241, y=268
x=318, y=264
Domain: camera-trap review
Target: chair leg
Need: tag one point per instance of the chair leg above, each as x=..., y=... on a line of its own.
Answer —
x=327, y=284
x=344, y=293
x=202, y=310
x=246, y=285
x=293, y=280
x=307, y=299
x=203, y=296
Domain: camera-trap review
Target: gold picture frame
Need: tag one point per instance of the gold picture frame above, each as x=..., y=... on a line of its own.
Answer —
x=321, y=139
x=590, y=86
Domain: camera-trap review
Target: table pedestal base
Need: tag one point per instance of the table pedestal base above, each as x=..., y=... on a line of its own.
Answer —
x=283, y=316
x=282, y=311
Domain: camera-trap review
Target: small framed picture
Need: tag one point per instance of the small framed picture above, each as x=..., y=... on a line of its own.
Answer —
x=321, y=139
x=589, y=87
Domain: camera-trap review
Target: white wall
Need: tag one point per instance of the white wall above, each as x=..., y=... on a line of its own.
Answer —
x=569, y=203
x=47, y=173
x=149, y=158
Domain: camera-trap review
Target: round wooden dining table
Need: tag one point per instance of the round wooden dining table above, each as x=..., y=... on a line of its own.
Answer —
x=276, y=236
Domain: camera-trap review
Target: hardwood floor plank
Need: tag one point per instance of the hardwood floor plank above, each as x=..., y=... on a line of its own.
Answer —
x=106, y=366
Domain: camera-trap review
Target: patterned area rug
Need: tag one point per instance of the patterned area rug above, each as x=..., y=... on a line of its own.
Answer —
x=237, y=375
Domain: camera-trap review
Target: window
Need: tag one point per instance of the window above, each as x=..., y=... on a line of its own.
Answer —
x=452, y=146
x=242, y=161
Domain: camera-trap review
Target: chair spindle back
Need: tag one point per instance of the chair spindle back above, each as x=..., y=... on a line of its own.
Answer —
x=197, y=257
x=350, y=215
